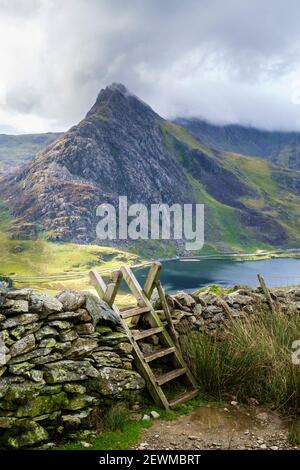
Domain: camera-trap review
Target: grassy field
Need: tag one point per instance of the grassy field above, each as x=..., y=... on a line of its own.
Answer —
x=64, y=265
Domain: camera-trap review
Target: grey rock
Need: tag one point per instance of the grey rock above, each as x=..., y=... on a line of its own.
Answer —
x=7, y=422
x=18, y=393
x=44, y=304
x=46, y=332
x=100, y=311
x=85, y=328
x=155, y=300
x=43, y=404
x=64, y=316
x=125, y=348
x=103, y=330
x=113, y=338
x=69, y=371
x=69, y=335
x=52, y=389
x=31, y=433
x=81, y=347
x=24, y=345
x=18, y=369
x=71, y=300
x=64, y=346
x=74, y=388
x=47, y=358
x=31, y=355
x=107, y=359
x=35, y=375
x=235, y=298
x=185, y=299
x=23, y=319
x=47, y=416
x=32, y=327
x=76, y=418
x=8, y=303
x=47, y=343
x=19, y=294
x=61, y=325
x=84, y=315
x=147, y=348
x=218, y=317
x=112, y=381
x=79, y=401
x=5, y=338
x=18, y=332
x=3, y=291
x=213, y=309
x=197, y=310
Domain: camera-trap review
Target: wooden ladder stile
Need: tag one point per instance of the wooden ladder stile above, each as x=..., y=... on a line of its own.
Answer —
x=170, y=350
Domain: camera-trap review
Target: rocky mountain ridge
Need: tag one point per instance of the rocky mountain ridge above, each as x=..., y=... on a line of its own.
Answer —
x=122, y=147
x=279, y=147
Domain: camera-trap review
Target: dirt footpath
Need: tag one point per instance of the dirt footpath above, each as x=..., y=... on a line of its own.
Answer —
x=220, y=427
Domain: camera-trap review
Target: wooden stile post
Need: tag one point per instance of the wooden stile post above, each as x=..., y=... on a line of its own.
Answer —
x=167, y=314
x=113, y=287
x=266, y=292
x=152, y=279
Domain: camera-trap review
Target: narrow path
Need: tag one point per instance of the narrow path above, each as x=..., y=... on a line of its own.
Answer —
x=220, y=427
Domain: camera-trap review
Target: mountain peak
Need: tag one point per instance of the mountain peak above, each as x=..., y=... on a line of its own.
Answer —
x=115, y=86
x=116, y=100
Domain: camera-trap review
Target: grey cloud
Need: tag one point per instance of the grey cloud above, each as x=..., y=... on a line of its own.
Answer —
x=227, y=61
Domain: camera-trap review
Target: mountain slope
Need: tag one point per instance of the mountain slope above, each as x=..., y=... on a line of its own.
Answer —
x=122, y=147
x=281, y=148
x=15, y=150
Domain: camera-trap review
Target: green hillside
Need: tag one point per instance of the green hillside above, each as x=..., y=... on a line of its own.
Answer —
x=16, y=150
x=268, y=193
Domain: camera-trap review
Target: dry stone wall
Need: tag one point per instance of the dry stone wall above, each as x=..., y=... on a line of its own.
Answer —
x=64, y=359
x=208, y=312
x=61, y=360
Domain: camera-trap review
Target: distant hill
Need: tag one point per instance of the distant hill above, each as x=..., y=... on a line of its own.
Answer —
x=281, y=148
x=15, y=150
x=123, y=147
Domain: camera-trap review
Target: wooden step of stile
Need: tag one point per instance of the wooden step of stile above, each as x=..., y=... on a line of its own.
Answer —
x=183, y=397
x=133, y=312
x=146, y=333
x=168, y=376
x=160, y=353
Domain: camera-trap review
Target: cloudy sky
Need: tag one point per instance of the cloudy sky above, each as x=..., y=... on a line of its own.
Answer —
x=222, y=60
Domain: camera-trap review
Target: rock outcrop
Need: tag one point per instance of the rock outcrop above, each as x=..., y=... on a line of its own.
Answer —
x=60, y=360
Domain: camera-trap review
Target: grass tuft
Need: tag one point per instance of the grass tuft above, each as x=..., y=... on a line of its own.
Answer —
x=253, y=359
x=117, y=417
x=294, y=432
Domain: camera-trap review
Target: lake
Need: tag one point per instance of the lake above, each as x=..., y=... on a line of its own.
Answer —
x=192, y=274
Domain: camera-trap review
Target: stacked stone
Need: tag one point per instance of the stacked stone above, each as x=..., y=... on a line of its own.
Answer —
x=60, y=359
x=208, y=312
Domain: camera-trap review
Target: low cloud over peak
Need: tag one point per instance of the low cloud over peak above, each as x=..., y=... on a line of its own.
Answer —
x=227, y=62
